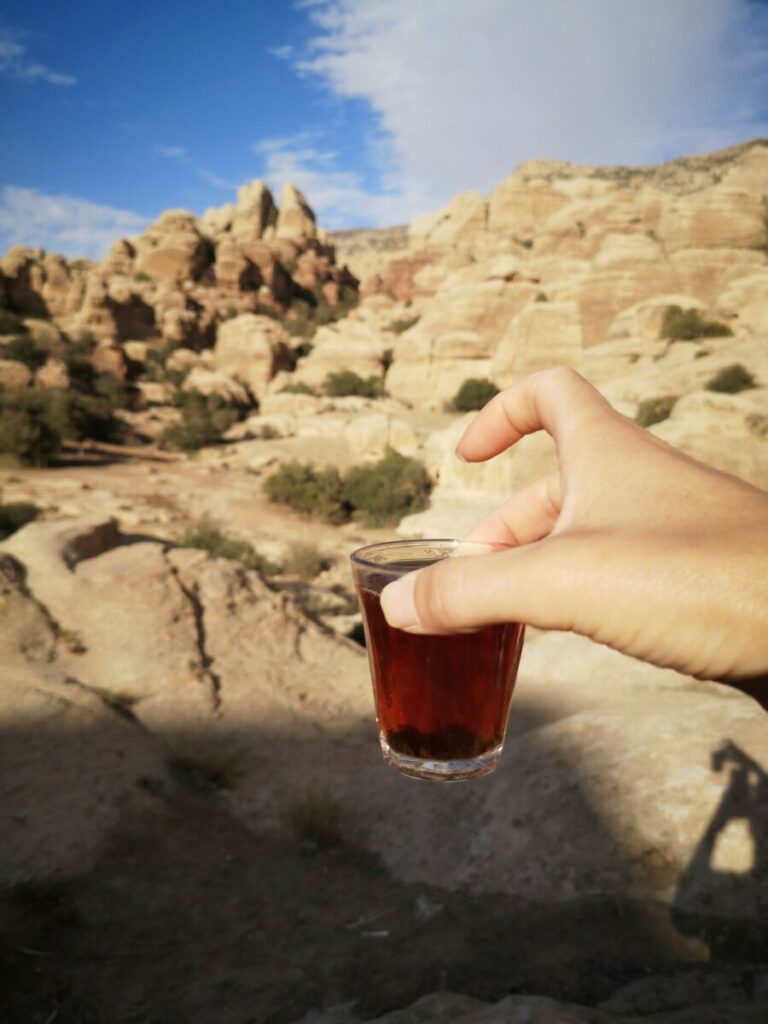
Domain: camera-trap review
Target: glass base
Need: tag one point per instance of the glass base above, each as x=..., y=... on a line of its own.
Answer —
x=441, y=771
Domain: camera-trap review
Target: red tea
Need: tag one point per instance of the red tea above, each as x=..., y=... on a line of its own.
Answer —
x=441, y=698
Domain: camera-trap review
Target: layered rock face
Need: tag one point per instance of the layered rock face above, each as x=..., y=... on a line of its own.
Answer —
x=544, y=267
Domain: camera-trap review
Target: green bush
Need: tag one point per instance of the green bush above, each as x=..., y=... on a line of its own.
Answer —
x=655, y=410
x=403, y=325
x=206, y=537
x=33, y=424
x=305, y=560
x=309, y=490
x=24, y=349
x=347, y=382
x=731, y=380
x=380, y=494
x=113, y=390
x=15, y=515
x=383, y=493
x=204, y=419
x=299, y=388
x=473, y=394
x=688, y=324
x=10, y=323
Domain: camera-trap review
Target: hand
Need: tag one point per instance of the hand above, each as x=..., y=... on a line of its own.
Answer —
x=630, y=542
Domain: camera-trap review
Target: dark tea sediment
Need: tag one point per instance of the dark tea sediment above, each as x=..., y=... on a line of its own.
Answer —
x=441, y=698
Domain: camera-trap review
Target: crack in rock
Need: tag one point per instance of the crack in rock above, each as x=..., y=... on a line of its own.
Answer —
x=198, y=614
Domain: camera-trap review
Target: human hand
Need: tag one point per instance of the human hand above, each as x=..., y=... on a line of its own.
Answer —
x=630, y=542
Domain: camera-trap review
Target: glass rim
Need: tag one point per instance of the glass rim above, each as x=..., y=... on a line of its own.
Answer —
x=359, y=556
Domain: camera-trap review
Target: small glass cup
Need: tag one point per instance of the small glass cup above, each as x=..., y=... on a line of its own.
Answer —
x=442, y=702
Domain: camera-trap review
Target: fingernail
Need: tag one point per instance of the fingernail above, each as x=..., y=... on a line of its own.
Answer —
x=398, y=604
x=459, y=456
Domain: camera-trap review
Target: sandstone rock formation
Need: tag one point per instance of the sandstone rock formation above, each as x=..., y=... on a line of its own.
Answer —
x=558, y=253
x=184, y=276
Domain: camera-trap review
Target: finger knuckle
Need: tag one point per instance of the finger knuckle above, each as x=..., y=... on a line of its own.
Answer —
x=442, y=600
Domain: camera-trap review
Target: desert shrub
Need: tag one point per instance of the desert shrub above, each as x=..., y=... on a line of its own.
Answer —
x=304, y=560
x=317, y=819
x=23, y=349
x=325, y=313
x=473, y=394
x=28, y=436
x=302, y=351
x=204, y=419
x=357, y=634
x=15, y=515
x=155, y=368
x=10, y=323
x=388, y=490
x=113, y=390
x=301, y=323
x=688, y=324
x=347, y=382
x=33, y=424
x=206, y=537
x=299, y=388
x=309, y=490
x=731, y=380
x=402, y=325
x=655, y=410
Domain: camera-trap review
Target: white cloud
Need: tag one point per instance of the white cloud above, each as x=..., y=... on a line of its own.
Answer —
x=14, y=63
x=180, y=155
x=281, y=52
x=172, y=152
x=466, y=91
x=63, y=224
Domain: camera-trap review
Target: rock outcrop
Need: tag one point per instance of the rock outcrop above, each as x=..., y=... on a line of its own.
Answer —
x=543, y=269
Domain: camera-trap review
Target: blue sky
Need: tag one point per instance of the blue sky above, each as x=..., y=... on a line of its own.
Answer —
x=377, y=109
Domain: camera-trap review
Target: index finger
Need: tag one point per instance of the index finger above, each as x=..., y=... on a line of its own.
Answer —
x=558, y=401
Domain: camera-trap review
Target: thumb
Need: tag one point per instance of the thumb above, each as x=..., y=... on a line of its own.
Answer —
x=541, y=584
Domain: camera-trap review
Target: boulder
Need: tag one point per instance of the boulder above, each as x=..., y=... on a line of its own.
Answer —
x=211, y=382
x=52, y=374
x=252, y=348
x=108, y=357
x=14, y=376
x=182, y=359
x=172, y=249
x=233, y=269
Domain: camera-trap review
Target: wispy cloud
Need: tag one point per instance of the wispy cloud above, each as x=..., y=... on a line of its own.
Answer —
x=181, y=156
x=15, y=63
x=462, y=92
x=63, y=224
x=338, y=196
x=281, y=52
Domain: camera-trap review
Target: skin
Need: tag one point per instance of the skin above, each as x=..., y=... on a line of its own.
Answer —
x=630, y=542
